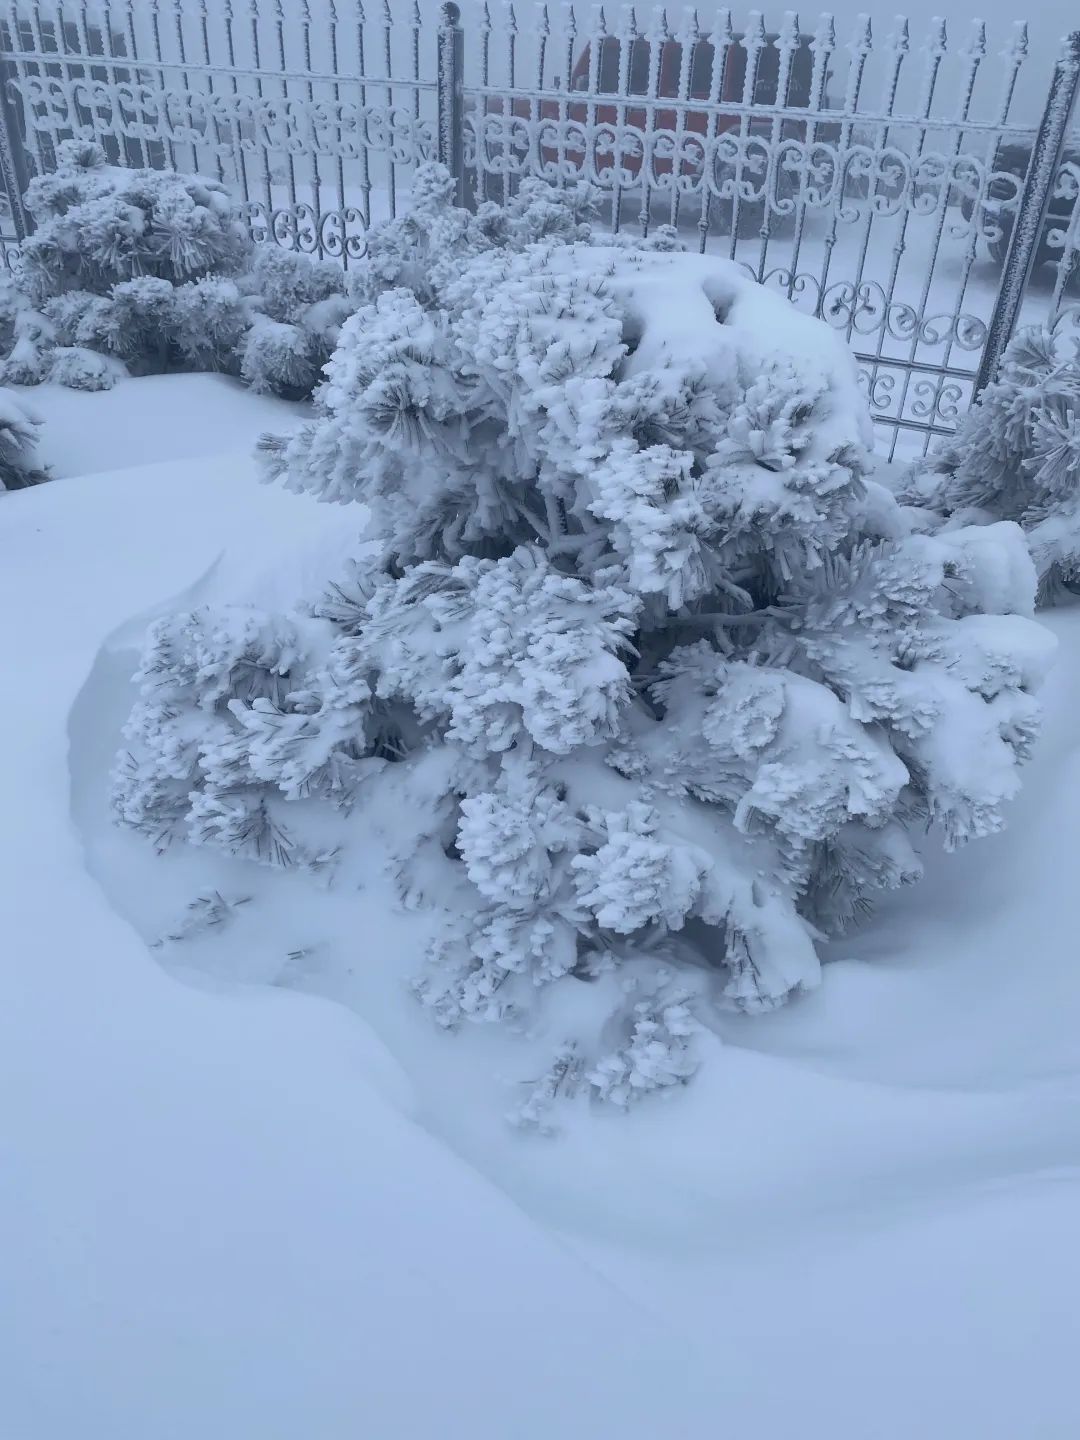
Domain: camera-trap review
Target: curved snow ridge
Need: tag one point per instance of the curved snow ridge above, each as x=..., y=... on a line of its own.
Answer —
x=762, y=1149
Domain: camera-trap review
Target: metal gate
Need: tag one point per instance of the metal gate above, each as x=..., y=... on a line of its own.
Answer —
x=920, y=194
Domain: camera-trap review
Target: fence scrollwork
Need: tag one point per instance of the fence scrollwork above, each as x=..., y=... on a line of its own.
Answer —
x=886, y=187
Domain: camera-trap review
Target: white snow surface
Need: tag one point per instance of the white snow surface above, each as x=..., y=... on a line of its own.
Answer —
x=141, y=422
x=232, y=1209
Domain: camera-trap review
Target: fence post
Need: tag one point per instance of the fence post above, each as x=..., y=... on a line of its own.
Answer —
x=14, y=171
x=451, y=86
x=1043, y=167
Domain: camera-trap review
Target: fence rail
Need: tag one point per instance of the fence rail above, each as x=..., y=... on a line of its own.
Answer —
x=920, y=194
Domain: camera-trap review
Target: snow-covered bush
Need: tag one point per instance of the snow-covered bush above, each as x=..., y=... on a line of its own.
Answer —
x=96, y=225
x=149, y=271
x=656, y=680
x=1016, y=456
x=19, y=429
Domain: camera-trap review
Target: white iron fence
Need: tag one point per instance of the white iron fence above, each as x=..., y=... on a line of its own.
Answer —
x=889, y=184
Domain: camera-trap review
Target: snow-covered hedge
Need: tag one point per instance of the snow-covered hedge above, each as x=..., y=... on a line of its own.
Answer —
x=147, y=271
x=1016, y=456
x=647, y=680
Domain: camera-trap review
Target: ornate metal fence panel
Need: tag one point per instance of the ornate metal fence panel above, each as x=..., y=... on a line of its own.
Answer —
x=312, y=111
x=882, y=180
x=874, y=178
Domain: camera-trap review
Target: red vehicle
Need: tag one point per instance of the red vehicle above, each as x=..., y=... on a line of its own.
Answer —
x=616, y=129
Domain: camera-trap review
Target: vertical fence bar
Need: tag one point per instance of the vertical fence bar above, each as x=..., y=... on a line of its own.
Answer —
x=264, y=154
x=155, y=30
x=1013, y=56
x=451, y=97
x=752, y=42
x=511, y=32
x=14, y=169
x=46, y=138
x=1067, y=265
x=388, y=91
x=1046, y=159
x=239, y=162
x=361, y=70
x=722, y=41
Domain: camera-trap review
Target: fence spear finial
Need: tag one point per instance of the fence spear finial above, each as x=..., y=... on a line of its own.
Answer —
x=937, y=41
x=899, y=38
x=1016, y=47
x=755, y=37
x=825, y=34
x=723, y=31
x=862, y=41
x=974, y=47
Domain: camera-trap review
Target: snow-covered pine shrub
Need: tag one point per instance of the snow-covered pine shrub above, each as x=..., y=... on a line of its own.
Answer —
x=100, y=271
x=211, y=320
x=1016, y=456
x=96, y=225
x=647, y=681
x=150, y=271
x=19, y=429
x=296, y=308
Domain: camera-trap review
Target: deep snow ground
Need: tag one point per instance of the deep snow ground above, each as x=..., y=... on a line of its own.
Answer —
x=861, y=1221
x=144, y=422
x=217, y=1216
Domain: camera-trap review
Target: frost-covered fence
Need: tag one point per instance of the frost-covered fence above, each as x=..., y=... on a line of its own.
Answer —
x=875, y=177
x=313, y=113
x=882, y=179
